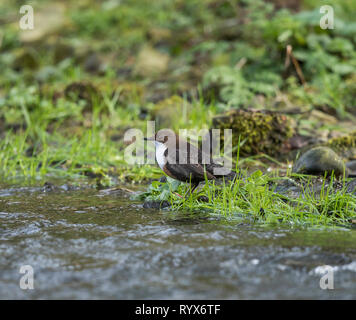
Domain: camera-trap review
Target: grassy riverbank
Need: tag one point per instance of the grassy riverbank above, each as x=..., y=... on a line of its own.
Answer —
x=89, y=71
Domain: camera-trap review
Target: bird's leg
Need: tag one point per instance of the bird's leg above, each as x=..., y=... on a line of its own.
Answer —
x=194, y=187
x=191, y=190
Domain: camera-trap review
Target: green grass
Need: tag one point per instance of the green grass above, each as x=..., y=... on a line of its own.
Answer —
x=65, y=140
x=63, y=157
x=252, y=199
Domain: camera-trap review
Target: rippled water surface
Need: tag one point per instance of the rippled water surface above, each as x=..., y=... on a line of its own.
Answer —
x=85, y=244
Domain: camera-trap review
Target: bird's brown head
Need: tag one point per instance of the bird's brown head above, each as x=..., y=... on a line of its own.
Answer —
x=165, y=136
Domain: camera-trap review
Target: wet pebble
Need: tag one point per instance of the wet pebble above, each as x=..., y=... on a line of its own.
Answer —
x=48, y=186
x=351, y=165
x=318, y=161
x=156, y=204
x=351, y=186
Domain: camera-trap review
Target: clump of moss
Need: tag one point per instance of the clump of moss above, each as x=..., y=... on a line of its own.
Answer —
x=344, y=146
x=259, y=131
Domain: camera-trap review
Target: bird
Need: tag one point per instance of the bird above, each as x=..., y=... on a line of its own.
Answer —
x=182, y=161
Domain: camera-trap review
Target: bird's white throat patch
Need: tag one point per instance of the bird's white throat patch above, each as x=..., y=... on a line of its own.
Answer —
x=160, y=149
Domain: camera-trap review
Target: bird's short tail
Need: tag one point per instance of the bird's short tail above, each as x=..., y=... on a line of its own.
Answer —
x=210, y=168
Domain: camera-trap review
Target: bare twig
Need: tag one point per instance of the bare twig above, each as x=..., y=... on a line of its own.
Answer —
x=241, y=63
x=289, y=57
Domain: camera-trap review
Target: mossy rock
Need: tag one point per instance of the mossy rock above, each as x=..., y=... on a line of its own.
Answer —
x=167, y=111
x=320, y=161
x=259, y=131
x=345, y=146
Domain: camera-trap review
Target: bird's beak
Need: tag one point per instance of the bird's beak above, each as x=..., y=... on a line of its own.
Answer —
x=149, y=139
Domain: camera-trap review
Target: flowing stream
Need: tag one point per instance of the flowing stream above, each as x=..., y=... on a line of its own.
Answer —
x=90, y=244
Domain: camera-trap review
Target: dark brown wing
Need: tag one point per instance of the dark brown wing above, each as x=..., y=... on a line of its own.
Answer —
x=186, y=171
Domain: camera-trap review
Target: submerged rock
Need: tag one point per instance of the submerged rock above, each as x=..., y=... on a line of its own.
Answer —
x=156, y=204
x=318, y=161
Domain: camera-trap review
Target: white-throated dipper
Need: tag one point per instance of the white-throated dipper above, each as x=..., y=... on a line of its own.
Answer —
x=182, y=161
